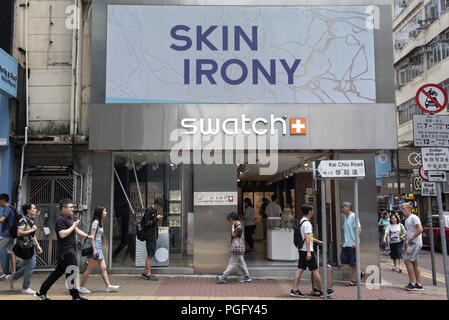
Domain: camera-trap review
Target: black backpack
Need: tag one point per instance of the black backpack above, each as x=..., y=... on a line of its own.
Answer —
x=140, y=231
x=298, y=240
x=15, y=223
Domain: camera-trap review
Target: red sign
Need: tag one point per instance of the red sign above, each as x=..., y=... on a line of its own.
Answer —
x=423, y=174
x=431, y=98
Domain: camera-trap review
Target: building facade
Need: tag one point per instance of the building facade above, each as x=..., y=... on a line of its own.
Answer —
x=108, y=95
x=421, y=51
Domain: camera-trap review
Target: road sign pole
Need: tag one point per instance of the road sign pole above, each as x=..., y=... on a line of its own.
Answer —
x=357, y=242
x=443, y=238
x=432, y=244
x=324, y=235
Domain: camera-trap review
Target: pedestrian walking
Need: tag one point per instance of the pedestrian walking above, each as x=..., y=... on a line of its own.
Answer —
x=6, y=241
x=150, y=226
x=395, y=232
x=307, y=258
x=412, y=247
x=348, y=252
x=384, y=222
x=97, y=257
x=66, y=231
x=250, y=223
x=26, y=230
x=237, y=250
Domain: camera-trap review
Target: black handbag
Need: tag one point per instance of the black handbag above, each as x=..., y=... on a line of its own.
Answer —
x=88, y=251
x=24, y=250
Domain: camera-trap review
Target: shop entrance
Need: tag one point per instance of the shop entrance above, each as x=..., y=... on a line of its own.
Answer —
x=153, y=176
x=290, y=187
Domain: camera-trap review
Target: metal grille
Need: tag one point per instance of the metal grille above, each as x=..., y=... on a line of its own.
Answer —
x=45, y=193
x=63, y=189
x=40, y=190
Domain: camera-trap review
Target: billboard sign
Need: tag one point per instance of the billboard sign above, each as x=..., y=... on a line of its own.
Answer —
x=240, y=54
x=8, y=75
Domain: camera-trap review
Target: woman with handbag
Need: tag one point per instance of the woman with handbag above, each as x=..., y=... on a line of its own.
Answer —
x=237, y=250
x=94, y=252
x=26, y=247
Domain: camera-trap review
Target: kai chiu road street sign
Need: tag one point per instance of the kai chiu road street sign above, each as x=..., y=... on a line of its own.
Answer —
x=339, y=169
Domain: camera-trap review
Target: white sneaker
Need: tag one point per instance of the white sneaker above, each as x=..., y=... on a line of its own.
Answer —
x=112, y=288
x=28, y=291
x=11, y=281
x=84, y=290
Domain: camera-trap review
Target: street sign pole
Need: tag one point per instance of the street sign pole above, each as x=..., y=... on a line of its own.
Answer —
x=432, y=244
x=324, y=235
x=443, y=238
x=357, y=255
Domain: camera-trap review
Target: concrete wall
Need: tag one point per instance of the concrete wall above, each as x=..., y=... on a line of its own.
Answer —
x=51, y=55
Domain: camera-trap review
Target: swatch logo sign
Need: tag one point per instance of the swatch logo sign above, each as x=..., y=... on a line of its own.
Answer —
x=215, y=198
x=243, y=125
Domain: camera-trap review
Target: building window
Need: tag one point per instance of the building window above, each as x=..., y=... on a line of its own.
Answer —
x=409, y=68
x=444, y=6
x=400, y=5
x=408, y=32
x=445, y=85
x=433, y=10
x=407, y=110
x=438, y=49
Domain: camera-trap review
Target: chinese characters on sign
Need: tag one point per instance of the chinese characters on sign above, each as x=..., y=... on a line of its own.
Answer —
x=339, y=168
x=435, y=159
x=431, y=131
x=429, y=189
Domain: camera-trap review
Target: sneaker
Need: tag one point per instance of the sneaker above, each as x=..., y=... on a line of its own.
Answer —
x=222, y=278
x=330, y=293
x=40, y=296
x=245, y=279
x=410, y=287
x=2, y=276
x=419, y=287
x=296, y=293
x=112, y=288
x=84, y=290
x=78, y=298
x=11, y=281
x=28, y=291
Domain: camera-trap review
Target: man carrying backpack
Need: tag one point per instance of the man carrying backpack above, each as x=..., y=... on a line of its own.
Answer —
x=7, y=218
x=307, y=257
x=150, y=227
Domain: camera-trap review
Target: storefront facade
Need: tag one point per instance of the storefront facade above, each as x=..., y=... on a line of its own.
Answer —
x=146, y=111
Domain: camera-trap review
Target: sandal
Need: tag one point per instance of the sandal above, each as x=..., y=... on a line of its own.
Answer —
x=351, y=283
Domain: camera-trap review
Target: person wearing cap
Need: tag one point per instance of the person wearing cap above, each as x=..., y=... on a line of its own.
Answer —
x=348, y=251
x=150, y=219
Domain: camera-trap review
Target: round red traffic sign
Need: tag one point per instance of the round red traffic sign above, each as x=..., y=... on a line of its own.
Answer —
x=431, y=98
x=423, y=174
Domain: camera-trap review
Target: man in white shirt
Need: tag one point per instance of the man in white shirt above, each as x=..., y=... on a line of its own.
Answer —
x=273, y=209
x=307, y=257
x=412, y=247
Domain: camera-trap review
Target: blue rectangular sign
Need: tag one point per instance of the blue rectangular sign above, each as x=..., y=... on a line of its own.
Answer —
x=8, y=75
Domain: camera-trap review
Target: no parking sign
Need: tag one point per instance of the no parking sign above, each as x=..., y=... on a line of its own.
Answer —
x=431, y=98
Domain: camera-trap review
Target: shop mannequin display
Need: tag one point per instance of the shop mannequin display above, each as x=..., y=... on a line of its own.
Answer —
x=288, y=219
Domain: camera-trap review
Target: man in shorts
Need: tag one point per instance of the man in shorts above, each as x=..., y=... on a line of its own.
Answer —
x=348, y=251
x=150, y=219
x=6, y=241
x=412, y=247
x=307, y=258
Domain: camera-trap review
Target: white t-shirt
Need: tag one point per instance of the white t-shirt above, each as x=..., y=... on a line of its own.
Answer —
x=306, y=228
x=410, y=226
x=273, y=210
x=99, y=231
x=394, y=232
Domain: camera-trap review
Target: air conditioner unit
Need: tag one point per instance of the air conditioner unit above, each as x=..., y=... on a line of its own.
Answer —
x=424, y=49
x=413, y=33
x=398, y=45
x=403, y=3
